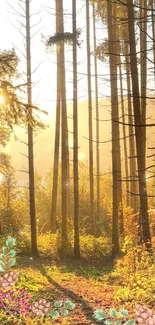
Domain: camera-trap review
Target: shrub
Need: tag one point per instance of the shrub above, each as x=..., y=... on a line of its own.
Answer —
x=134, y=273
x=95, y=249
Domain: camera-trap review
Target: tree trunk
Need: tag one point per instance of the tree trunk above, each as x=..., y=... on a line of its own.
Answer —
x=146, y=237
x=64, y=137
x=143, y=32
x=30, y=137
x=91, y=163
x=124, y=138
x=153, y=31
x=75, y=139
x=134, y=200
x=57, y=136
x=97, y=130
x=115, y=132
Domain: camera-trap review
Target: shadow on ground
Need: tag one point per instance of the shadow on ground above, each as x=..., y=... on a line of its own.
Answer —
x=87, y=310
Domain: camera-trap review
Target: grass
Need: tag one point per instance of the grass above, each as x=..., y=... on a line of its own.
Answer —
x=86, y=285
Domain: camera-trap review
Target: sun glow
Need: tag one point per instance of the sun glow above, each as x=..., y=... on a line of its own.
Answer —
x=2, y=100
x=1, y=177
x=82, y=156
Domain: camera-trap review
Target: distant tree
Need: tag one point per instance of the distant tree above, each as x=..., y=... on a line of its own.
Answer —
x=53, y=209
x=7, y=190
x=97, y=129
x=75, y=140
x=13, y=110
x=90, y=121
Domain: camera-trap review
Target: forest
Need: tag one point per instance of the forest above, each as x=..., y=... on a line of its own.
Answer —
x=77, y=167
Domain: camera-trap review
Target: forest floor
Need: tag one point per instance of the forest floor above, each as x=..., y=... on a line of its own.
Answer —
x=85, y=285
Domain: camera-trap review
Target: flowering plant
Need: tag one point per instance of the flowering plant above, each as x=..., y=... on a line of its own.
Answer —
x=16, y=302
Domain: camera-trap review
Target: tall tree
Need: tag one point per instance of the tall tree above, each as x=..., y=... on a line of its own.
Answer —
x=64, y=135
x=115, y=129
x=97, y=128
x=57, y=133
x=146, y=237
x=75, y=139
x=143, y=64
x=30, y=135
x=90, y=122
x=124, y=136
x=134, y=200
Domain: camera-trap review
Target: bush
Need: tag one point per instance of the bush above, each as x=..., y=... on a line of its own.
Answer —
x=95, y=249
x=135, y=274
x=49, y=245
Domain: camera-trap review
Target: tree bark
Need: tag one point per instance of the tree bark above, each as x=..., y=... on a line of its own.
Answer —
x=90, y=125
x=146, y=237
x=115, y=131
x=124, y=138
x=30, y=137
x=97, y=130
x=143, y=33
x=75, y=139
x=64, y=138
x=57, y=135
x=134, y=199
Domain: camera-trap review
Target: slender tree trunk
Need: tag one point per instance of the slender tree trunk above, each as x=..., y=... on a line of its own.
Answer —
x=75, y=139
x=30, y=137
x=134, y=200
x=116, y=48
x=91, y=163
x=124, y=136
x=97, y=129
x=115, y=132
x=57, y=135
x=153, y=31
x=143, y=32
x=138, y=130
x=64, y=137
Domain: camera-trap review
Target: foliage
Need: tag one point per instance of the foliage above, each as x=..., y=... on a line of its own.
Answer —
x=7, y=256
x=134, y=273
x=95, y=249
x=13, y=110
x=113, y=317
x=63, y=38
x=63, y=309
x=16, y=304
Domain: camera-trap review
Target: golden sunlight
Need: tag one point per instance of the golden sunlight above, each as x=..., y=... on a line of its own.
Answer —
x=2, y=100
x=1, y=177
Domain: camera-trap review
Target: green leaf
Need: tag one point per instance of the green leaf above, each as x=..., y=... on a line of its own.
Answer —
x=2, y=257
x=12, y=262
x=118, y=322
x=12, y=253
x=58, y=304
x=99, y=314
x=113, y=312
x=64, y=312
x=130, y=322
x=10, y=242
x=109, y=321
x=69, y=305
x=54, y=314
x=4, y=249
x=124, y=312
x=2, y=267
